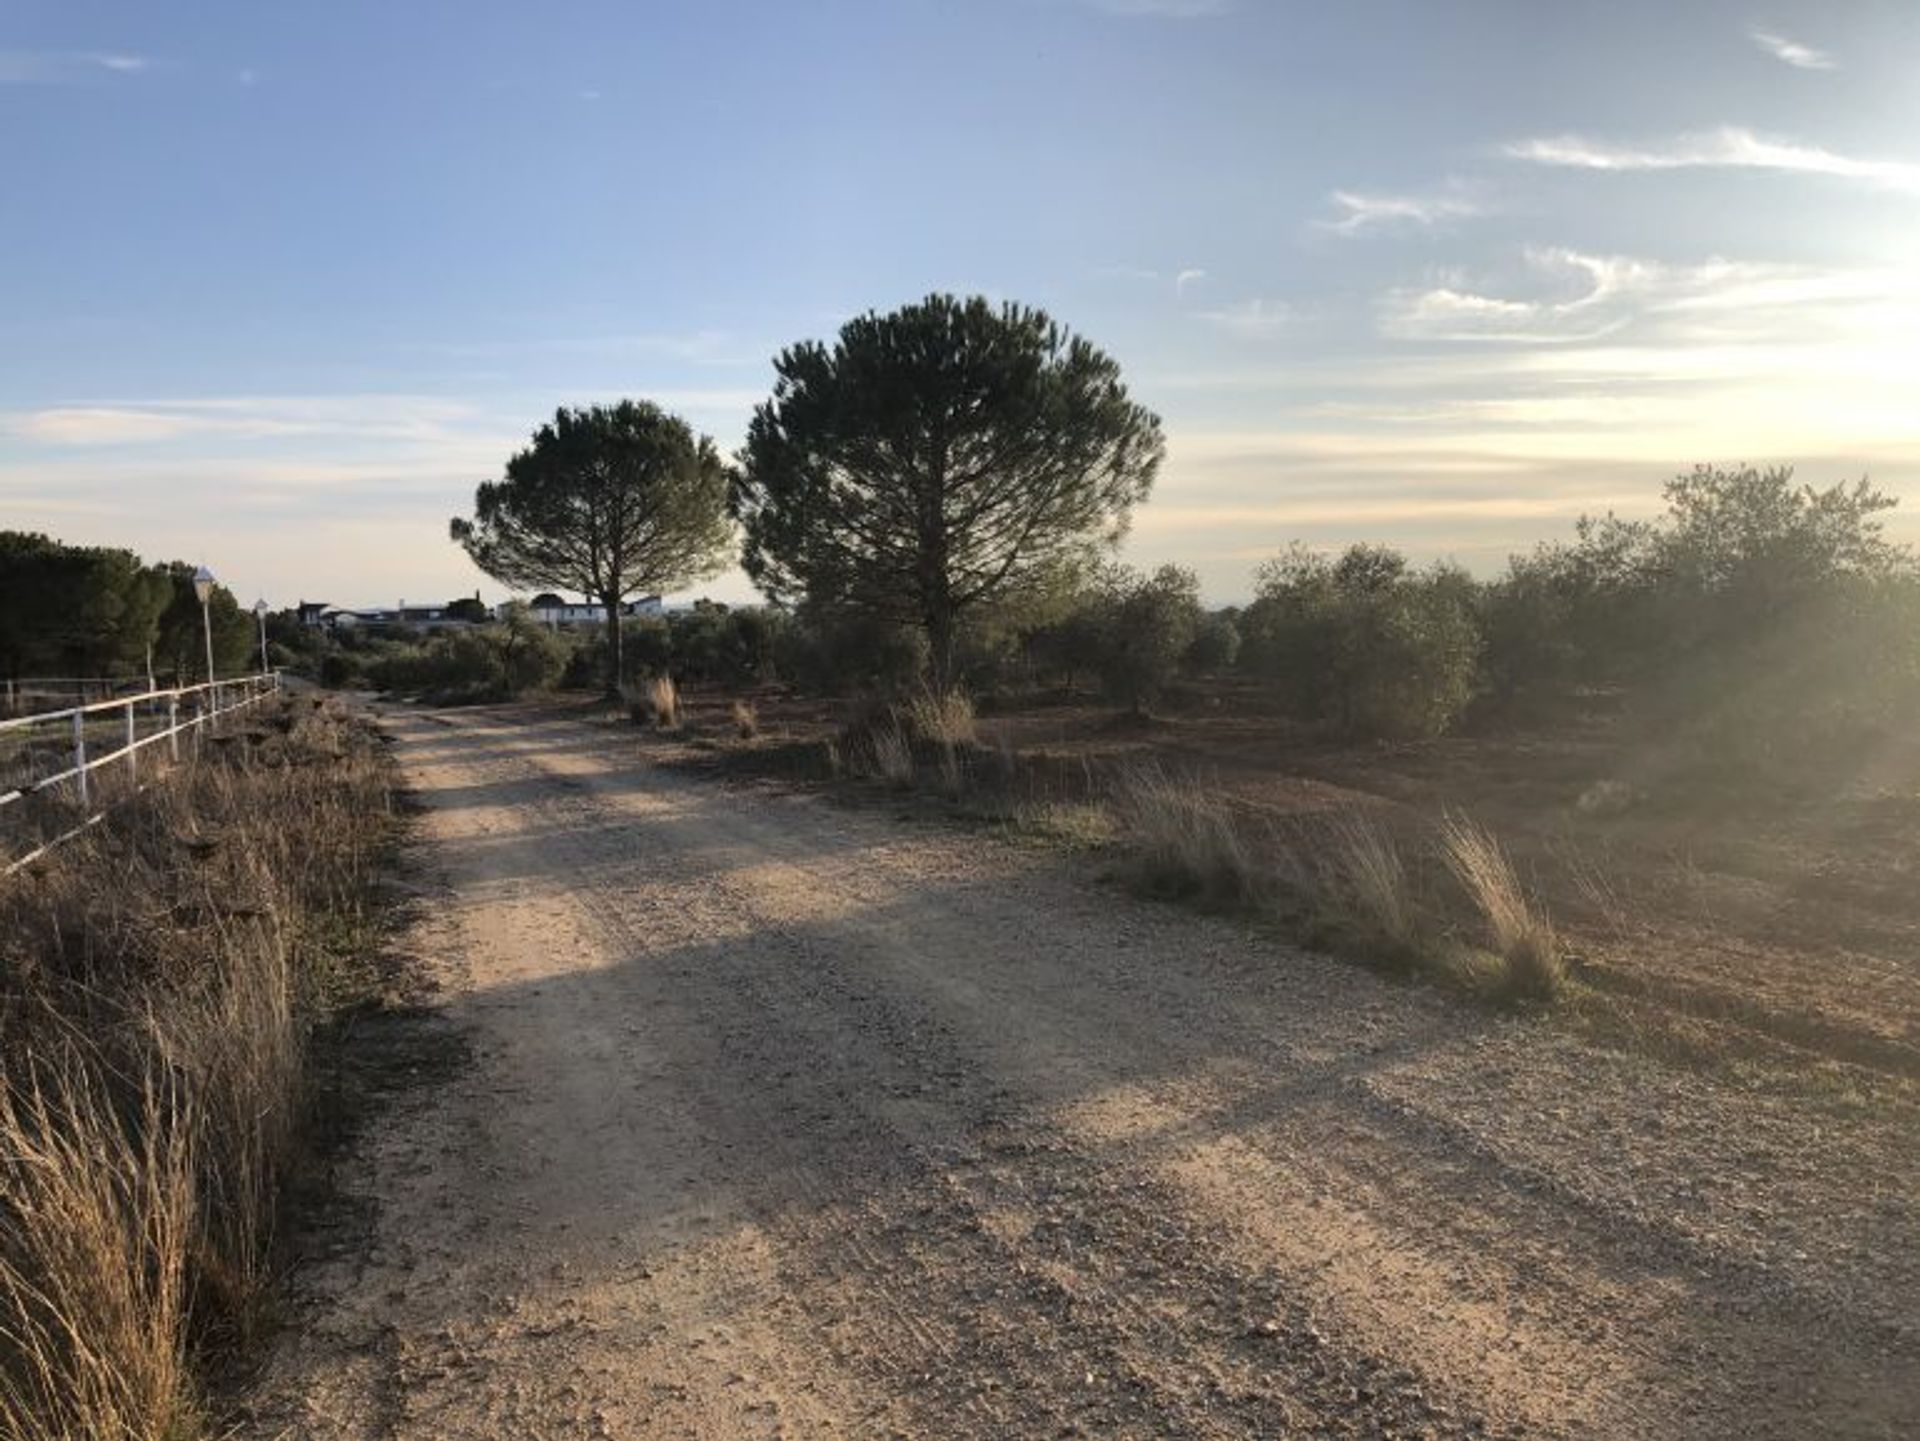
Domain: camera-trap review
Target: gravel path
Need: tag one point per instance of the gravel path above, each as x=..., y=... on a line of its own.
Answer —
x=785, y=1120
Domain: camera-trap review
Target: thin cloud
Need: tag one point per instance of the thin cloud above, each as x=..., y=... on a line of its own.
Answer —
x=1251, y=320
x=38, y=67
x=1450, y=312
x=1726, y=148
x=1737, y=315
x=1186, y=278
x=1360, y=212
x=1792, y=52
x=240, y=418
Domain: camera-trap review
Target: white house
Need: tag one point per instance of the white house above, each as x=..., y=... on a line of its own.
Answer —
x=554, y=610
x=414, y=617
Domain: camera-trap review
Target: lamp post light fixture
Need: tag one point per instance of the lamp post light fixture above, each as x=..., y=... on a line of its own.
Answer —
x=260, y=611
x=203, y=588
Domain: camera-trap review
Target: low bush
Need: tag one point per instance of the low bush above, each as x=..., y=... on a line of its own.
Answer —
x=1365, y=644
x=1146, y=623
x=478, y=663
x=1215, y=645
x=830, y=654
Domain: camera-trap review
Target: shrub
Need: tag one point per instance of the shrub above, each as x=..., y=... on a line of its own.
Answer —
x=832, y=654
x=1215, y=645
x=1758, y=629
x=1364, y=644
x=646, y=645
x=1067, y=647
x=532, y=657
x=493, y=662
x=340, y=670
x=586, y=663
x=1145, y=625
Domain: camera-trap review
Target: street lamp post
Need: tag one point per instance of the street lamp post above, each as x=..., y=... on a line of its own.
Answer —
x=203, y=587
x=260, y=611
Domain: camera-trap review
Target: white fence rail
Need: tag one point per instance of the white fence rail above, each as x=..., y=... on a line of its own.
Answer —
x=57, y=755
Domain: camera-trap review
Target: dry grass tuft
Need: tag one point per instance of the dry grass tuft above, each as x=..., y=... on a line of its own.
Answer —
x=1075, y=825
x=1364, y=877
x=1184, y=841
x=100, y=1220
x=888, y=756
x=654, y=701
x=944, y=720
x=156, y=984
x=746, y=720
x=1520, y=934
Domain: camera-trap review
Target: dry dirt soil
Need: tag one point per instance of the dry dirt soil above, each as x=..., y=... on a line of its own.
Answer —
x=784, y=1119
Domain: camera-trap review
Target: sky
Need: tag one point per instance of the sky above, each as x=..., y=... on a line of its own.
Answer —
x=280, y=284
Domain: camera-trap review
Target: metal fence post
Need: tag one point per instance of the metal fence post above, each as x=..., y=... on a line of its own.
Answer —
x=133, y=756
x=80, y=755
x=173, y=726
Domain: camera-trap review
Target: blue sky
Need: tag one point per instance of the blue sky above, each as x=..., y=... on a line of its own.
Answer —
x=280, y=284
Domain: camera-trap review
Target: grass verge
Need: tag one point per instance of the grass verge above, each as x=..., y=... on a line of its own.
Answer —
x=158, y=980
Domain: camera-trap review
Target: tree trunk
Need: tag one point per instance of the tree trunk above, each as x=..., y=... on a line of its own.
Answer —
x=940, y=645
x=616, y=653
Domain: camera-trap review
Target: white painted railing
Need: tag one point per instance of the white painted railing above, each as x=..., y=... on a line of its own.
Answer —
x=87, y=739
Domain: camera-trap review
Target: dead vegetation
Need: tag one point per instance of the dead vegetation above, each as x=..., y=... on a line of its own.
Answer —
x=1344, y=883
x=654, y=702
x=157, y=980
x=1183, y=842
x=1744, y=933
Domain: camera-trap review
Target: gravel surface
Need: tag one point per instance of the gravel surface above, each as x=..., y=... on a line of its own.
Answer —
x=788, y=1120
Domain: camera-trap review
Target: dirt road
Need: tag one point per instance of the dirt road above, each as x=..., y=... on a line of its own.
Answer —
x=784, y=1120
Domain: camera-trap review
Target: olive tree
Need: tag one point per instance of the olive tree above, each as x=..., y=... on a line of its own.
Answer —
x=936, y=459
x=610, y=501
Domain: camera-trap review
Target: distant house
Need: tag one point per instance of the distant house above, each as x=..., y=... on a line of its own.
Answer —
x=555, y=610
x=452, y=615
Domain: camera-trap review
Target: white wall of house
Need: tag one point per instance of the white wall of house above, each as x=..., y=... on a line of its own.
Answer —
x=579, y=613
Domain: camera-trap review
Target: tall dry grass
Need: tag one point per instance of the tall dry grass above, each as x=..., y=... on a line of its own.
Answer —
x=943, y=719
x=654, y=701
x=1183, y=840
x=1519, y=932
x=100, y=1216
x=888, y=755
x=1351, y=883
x=1365, y=879
x=158, y=980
